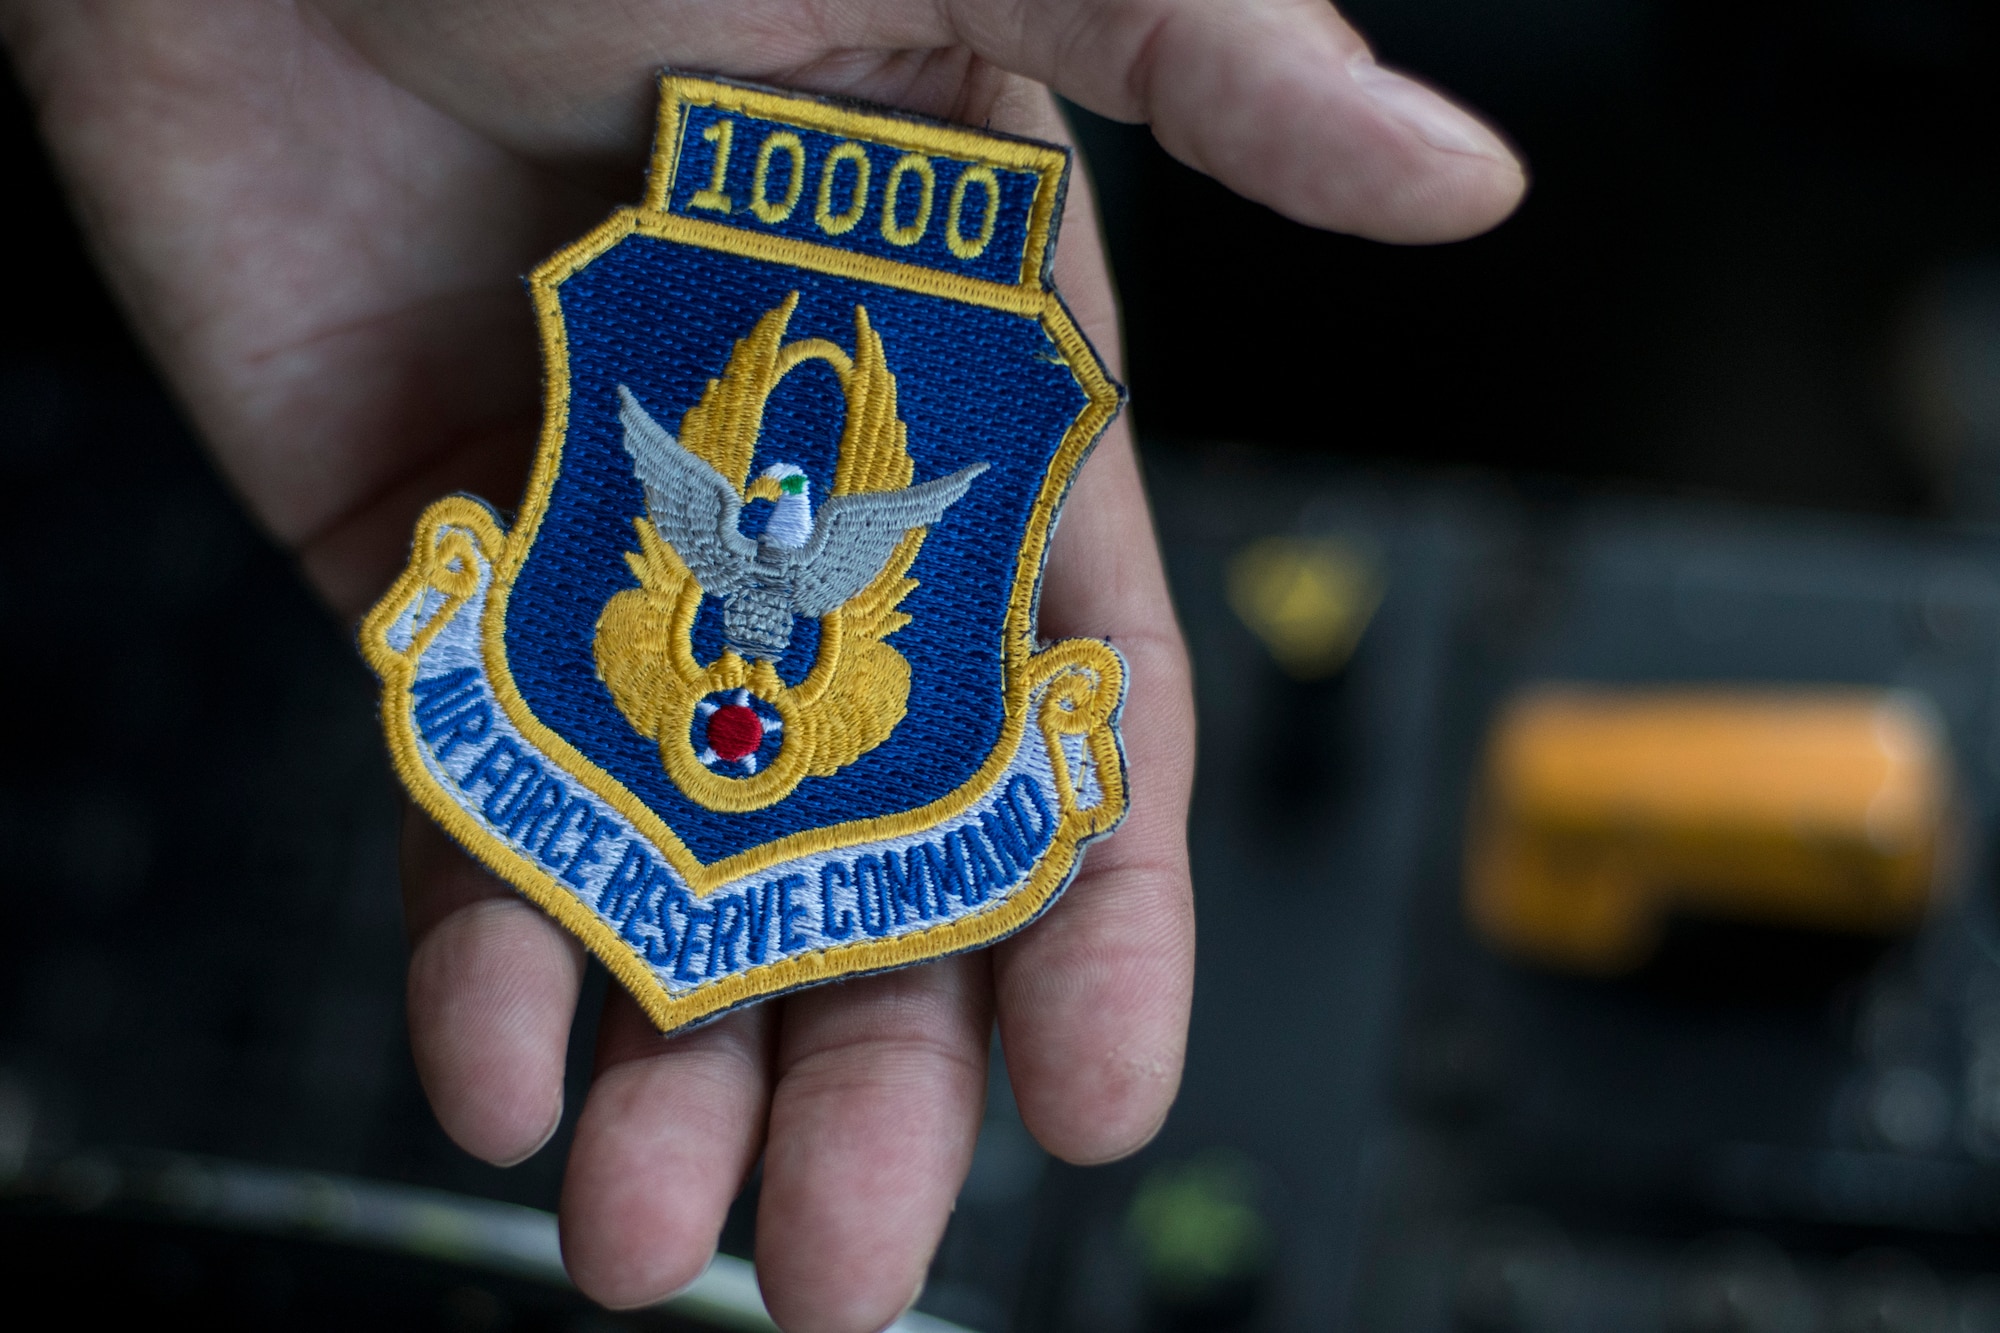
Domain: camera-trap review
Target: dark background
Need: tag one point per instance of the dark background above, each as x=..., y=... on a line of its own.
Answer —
x=1711, y=375
x=1734, y=210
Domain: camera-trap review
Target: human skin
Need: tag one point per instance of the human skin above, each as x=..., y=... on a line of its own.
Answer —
x=317, y=214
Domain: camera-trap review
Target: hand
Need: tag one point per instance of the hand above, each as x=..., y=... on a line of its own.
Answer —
x=317, y=215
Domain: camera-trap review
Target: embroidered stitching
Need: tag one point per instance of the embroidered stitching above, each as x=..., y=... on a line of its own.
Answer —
x=857, y=689
x=729, y=697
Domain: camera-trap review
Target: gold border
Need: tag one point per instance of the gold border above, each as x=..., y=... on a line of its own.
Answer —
x=1022, y=667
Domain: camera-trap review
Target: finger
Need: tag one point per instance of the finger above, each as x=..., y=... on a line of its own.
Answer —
x=492, y=990
x=1280, y=100
x=670, y=1129
x=1093, y=999
x=880, y=1086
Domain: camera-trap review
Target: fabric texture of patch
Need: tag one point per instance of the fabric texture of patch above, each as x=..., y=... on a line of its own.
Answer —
x=749, y=695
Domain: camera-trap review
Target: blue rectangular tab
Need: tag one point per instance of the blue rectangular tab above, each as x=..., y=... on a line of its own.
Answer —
x=927, y=196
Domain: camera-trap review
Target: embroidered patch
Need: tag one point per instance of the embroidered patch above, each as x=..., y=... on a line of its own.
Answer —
x=749, y=695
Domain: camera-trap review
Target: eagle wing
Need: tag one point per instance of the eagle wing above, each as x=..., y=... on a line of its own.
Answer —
x=693, y=507
x=874, y=446
x=855, y=535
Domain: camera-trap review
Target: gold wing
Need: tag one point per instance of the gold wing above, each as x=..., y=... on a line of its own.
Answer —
x=722, y=428
x=642, y=648
x=868, y=691
x=874, y=447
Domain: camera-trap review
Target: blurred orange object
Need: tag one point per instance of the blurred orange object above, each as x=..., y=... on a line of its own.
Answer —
x=1602, y=812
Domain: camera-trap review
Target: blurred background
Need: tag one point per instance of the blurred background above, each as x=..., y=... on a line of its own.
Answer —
x=1684, y=480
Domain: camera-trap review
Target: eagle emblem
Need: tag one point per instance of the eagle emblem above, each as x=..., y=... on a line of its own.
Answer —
x=748, y=691
x=732, y=733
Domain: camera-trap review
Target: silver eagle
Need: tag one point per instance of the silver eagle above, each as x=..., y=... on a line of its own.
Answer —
x=803, y=564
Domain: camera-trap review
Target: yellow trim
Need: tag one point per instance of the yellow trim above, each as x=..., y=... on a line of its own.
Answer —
x=1014, y=300
x=1023, y=669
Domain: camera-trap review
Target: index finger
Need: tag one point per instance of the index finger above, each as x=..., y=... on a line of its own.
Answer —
x=1280, y=100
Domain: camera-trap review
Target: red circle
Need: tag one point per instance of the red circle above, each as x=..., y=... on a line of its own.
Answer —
x=735, y=732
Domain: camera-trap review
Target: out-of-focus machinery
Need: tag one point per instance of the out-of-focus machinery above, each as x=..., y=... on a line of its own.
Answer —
x=1604, y=813
x=1605, y=939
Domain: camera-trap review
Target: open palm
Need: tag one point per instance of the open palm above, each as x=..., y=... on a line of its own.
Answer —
x=317, y=214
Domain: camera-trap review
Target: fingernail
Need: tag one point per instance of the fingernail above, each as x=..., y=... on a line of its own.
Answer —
x=1436, y=121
